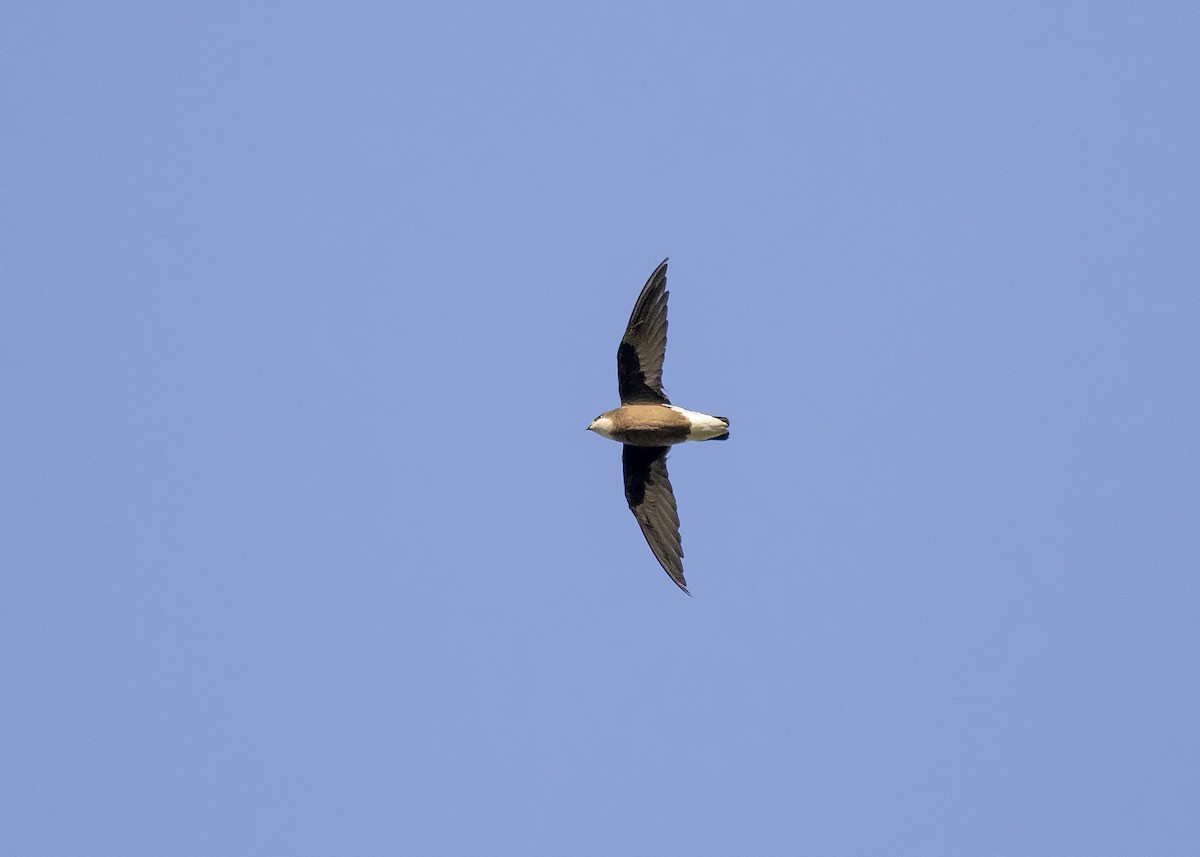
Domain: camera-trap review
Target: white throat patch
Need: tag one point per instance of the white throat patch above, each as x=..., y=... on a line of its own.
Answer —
x=602, y=426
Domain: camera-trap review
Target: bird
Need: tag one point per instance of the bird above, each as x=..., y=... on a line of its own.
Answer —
x=647, y=425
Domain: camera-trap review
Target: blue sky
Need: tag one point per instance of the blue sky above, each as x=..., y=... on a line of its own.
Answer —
x=305, y=547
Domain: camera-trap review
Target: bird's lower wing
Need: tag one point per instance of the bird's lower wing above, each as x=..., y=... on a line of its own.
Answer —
x=648, y=492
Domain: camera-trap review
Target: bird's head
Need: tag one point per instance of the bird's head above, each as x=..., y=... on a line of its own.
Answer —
x=602, y=425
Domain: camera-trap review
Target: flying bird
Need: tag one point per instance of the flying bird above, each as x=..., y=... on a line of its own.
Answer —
x=647, y=424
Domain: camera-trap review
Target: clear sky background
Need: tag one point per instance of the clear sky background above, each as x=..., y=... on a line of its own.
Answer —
x=305, y=549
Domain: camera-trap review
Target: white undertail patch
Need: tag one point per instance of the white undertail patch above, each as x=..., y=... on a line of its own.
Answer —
x=703, y=426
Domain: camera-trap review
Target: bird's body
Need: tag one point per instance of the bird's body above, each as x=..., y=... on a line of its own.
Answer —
x=658, y=425
x=648, y=424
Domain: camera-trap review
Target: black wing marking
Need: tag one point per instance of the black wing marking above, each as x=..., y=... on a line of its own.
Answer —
x=640, y=355
x=648, y=491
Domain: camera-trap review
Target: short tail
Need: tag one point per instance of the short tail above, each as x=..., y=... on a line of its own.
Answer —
x=722, y=436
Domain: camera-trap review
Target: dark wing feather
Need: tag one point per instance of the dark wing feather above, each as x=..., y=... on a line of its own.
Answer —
x=648, y=490
x=640, y=355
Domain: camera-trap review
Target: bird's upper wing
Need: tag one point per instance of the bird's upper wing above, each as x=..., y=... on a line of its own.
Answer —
x=640, y=355
x=648, y=490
